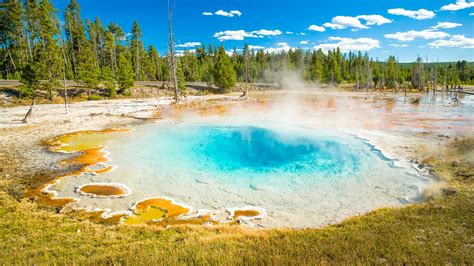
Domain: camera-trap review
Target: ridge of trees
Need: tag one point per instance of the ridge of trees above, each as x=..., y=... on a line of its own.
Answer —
x=39, y=50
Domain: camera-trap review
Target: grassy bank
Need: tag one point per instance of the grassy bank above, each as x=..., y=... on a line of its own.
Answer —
x=439, y=231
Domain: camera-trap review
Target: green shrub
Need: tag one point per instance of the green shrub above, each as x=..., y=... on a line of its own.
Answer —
x=95, y=97
x=112, y=92
x=127, y=93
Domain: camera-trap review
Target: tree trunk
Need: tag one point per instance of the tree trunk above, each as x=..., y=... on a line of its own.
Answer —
x=173, y=63
x=65, y=94
x=25, y=120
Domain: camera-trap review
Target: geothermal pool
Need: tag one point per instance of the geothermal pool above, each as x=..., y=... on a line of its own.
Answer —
x=281, y=175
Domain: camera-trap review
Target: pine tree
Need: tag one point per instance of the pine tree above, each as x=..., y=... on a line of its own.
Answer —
x=125, y=72
x=392, y=76
x=13, y=40
x=87, y=71
x=224, y=73
x=181, y=80
x=109, y=81
x=49, y=59
x=75, y=33
x=30, y=81
x=136, y=49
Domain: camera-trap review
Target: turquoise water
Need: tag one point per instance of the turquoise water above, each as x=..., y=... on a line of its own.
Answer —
x=243, y=154
x=300, y=176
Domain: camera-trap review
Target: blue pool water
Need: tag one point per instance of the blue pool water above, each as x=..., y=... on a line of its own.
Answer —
x=300, y=176
x=239, y=154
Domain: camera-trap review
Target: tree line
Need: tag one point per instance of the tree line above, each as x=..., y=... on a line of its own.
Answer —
x=40, y=51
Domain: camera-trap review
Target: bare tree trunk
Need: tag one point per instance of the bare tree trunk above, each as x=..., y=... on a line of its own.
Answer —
x=65, y=94
x=173, y=63
x=25, y=120
x=64, y=72
x=10, y=55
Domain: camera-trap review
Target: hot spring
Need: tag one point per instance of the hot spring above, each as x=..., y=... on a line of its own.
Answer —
x=288, y=175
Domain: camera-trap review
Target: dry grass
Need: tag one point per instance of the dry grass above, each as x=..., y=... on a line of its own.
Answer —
x=439, y=231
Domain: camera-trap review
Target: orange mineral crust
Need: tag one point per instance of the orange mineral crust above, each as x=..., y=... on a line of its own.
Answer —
x=163, y=212
x=102, y=190
x=246, y=213
x=88, y=145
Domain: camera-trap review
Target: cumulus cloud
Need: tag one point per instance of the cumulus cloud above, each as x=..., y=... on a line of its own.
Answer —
x=446, y=25
x=207, y=13
x=266, y=32
x=236, y=35
x=460, y=4
x=458, y=41
x=230, y=14
x=374, y=19
x=256, y=47
x=316, y=28
x=188, y=44
x=411, y=35
x=342, y=22
x=419, y=14
x=304, y=42
x=349, y=44
x=239, y=35
x=289, y=32
x=399, y=45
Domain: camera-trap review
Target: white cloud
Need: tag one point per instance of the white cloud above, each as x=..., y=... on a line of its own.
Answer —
x=207, y=13
x=289, y=32
x=374, y=19
x=471, y=14
x=239, y=35
x=458, y=41
x=188, y=44
x=304, y=42
x=282, y=47
x=236, y=12
x=460, y=4
x=446, y=25
x=349, y=44
x=411, y=35
x=236, y=35
x=399, y=45
x=419, y=14
x=342, y=22
x=267, y=32
x=228, y=14
x=302, y=33
x=316, y=28
x=256, y=47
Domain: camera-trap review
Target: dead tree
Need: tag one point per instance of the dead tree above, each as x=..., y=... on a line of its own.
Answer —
x=25, y=120
x=174, y=77
x=64, y=72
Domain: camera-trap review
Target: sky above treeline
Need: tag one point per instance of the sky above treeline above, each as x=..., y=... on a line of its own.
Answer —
x=441, y=30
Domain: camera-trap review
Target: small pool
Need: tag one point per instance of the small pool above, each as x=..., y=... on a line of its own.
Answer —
x=301, y=176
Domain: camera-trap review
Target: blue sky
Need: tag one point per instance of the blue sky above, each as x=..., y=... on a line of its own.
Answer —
x=439, y=29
